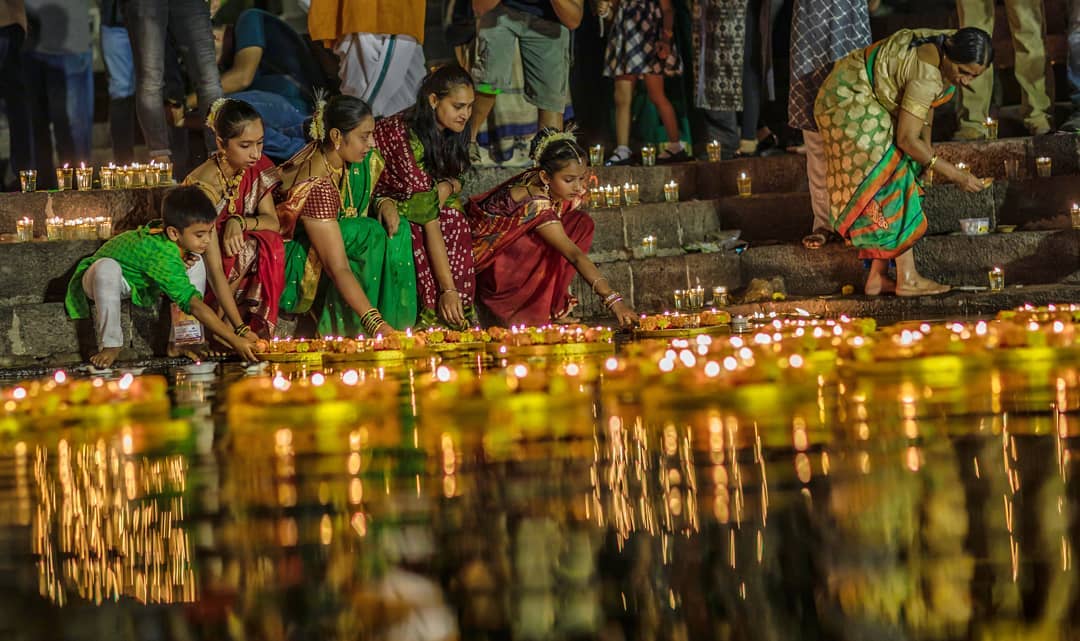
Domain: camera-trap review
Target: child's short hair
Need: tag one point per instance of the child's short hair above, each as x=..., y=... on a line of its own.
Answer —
x=185, y=206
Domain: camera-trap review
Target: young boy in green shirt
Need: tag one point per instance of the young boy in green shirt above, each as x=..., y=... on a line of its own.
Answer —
x=162, y=257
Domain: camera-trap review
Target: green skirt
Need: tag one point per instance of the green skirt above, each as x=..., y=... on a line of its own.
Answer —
x=383, y=267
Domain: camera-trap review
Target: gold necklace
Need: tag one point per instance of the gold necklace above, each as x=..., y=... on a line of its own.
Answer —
x=348, y=206
x=230, y=187
x=343, y=186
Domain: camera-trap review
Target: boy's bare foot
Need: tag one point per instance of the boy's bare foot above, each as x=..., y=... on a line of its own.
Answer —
x=878, y=285
x=105, y=358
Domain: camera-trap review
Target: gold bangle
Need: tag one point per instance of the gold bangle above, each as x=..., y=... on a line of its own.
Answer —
x=933, y=161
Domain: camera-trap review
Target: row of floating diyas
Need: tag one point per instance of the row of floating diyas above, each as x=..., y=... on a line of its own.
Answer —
x=931, y=370
x=520, y=401
x=551, y=340
x=63, y=399
x=519, y=340
x=679, y=323
x=381, y=348
x=318, y=398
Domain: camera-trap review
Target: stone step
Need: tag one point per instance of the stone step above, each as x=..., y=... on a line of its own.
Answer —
x=39, y=271
x=43, y=333
x=782, y=177
x=787, y=172
x=1028, y=258
x=785, y=216
x=64, y=342
x=128, y=208
x=891, y=309
x=1040, y=203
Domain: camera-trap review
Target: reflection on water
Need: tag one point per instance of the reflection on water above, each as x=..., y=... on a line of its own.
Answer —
x=867, y=509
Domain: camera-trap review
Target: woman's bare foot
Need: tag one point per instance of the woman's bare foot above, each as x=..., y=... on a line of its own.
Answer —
x=105, y=358
x=877, y=285
x=919, y=286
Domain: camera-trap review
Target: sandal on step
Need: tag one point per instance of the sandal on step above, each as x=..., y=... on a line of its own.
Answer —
x=666, y=157
x=819, y=238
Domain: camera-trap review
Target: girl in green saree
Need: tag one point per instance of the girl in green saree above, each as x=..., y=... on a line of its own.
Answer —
x=353, y=272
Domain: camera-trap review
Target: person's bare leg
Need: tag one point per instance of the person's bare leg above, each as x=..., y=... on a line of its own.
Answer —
x=878, y=282
x=482, y=107
x=552, y=119
x=909, y=282
x=624, y=94
x=655, y=85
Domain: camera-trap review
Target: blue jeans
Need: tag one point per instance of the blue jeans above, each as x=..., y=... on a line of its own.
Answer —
x=119, y=61
x=283, y=124
x=13, y=92
x=60, y=89
x=188, y=21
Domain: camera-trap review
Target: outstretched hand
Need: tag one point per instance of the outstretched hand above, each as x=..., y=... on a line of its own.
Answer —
x=971, y=183
x=451, y=308
x=624, y=315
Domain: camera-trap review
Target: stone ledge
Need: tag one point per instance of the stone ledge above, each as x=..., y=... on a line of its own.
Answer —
x=44, y=333
x=1027, y=257
x=648, y=283
x=128, y=208
x=41, y=335
x=784, y=175
x=38, y=272
x=986, y=157
x=889, y=309
x=674, y=225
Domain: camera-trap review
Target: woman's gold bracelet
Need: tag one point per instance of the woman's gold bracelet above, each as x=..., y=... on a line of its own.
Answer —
x=933, y=161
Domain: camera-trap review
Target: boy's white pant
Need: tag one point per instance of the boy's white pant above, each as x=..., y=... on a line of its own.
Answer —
x=104, y=284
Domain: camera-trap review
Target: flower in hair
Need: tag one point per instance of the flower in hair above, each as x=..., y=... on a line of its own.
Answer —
x=317, y=129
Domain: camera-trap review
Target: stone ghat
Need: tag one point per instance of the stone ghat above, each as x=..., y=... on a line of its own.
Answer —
x=694, y=239
x=779, y=202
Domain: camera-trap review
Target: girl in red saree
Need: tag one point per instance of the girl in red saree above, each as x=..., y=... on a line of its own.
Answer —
x=529, y=237
x=248, y=257
x=426, y=151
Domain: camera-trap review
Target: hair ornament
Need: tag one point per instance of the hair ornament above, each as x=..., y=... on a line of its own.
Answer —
x=568, y=135
x=211, y=116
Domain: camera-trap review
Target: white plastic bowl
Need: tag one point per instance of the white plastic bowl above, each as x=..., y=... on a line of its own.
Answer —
x=201, y=369
x=975, y=226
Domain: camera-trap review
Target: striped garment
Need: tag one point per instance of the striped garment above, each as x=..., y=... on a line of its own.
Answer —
x=822, y=32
